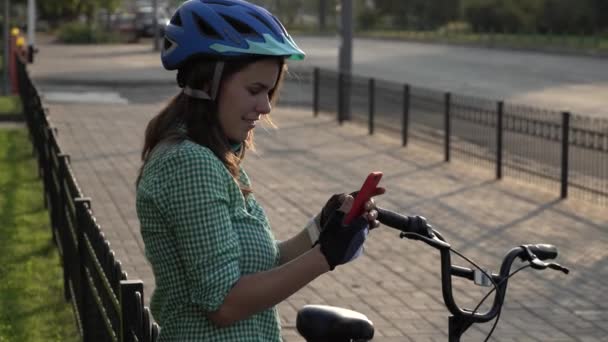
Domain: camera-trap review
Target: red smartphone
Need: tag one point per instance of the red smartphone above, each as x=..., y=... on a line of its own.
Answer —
x=367, y=190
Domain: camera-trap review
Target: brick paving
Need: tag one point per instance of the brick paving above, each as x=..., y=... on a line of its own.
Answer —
x=396, y=283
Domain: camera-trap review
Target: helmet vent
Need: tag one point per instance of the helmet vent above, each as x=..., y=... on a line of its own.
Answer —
x=239, y=26
x=205, y=28
x=264, y=22
x=168, y=44
x=176, y=19
x=281, y=26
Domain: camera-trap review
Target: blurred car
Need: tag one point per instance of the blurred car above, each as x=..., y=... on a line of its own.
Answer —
x=144, y=21
x=125, y=24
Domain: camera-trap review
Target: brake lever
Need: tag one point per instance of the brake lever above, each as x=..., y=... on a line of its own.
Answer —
x=433, y=242
x=538, y=264
x=558, y=267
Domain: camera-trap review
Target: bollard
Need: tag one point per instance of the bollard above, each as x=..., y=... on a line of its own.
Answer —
x=12, y=61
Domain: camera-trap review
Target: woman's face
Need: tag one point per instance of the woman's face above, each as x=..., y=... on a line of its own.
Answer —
x=245, y=98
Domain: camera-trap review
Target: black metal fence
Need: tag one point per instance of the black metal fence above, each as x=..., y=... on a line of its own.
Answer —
x=107, y=305
x=565, y=151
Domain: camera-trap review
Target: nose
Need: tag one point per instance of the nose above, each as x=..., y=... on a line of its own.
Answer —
x=264, y=106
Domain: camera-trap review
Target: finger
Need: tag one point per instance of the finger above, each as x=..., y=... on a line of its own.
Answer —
x=346, y=204
x=379, y=191
x=369, y=205
x=374, y=224
x=372, y=215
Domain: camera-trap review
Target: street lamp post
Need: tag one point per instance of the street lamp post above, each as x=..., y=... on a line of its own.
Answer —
x=345, y=62
x=322, y=14
x=155, y=23
x=31, y=29
x=5, y=58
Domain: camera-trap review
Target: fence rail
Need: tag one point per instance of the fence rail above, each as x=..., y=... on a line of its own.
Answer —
x=107, y=305
x=565, y=151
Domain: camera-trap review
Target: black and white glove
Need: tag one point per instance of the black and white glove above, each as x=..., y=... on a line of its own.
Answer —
x=341, y=243
x=316, y=224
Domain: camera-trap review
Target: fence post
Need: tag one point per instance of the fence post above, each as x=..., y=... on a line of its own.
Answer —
x=372, y=104
x=44, y=162
x=131, y=308
x=499, y=137
x=340, y=98
x=448, y=128
x=405, y=121
x=315, y=91
x=64, y=233
x=565, y=149
x=92, y=323
x=81, y=204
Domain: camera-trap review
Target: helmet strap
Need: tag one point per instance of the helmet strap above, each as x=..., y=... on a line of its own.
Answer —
x=196, y=93
x=215, y=85
x=217, y=77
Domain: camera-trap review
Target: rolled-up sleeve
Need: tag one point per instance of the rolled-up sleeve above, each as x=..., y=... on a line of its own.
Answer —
x=199, y=208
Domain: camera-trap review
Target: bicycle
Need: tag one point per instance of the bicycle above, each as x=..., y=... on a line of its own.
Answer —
x=318, y=323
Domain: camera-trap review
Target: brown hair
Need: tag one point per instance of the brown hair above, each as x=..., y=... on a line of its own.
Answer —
x=201, y=117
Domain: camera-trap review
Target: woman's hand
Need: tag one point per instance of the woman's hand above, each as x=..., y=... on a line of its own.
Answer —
x=370, y=212
x=315, y=226
x=341, y=243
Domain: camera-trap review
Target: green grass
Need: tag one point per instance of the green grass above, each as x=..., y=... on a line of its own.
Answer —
x=572, y=43
x=10, y=105
x=32, y=307
x=519, y=40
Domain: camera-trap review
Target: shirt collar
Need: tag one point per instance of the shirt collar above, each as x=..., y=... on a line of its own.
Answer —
x=235, y=146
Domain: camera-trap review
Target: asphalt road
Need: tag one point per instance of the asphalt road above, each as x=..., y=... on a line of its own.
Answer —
x=557, y=82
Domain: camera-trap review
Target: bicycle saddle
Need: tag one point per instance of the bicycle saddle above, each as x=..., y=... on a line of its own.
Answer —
x=329, y=323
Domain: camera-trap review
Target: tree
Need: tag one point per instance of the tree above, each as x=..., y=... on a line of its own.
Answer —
x=419, y=14
x=58, y=11
x=558, y=16
x=562, y=16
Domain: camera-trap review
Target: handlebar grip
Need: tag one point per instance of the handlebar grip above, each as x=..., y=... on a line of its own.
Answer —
x=544, y=251
x=406, y=224
x=393, y=220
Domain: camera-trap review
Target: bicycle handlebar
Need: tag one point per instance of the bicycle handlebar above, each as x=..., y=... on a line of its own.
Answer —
x=416, y=227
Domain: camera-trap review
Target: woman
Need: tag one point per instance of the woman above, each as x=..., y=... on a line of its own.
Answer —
x=219, y=271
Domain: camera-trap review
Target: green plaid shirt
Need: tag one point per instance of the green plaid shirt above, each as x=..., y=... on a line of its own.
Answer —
x=201, y=235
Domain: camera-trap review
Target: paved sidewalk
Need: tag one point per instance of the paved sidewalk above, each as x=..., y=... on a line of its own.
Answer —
x=396, y=283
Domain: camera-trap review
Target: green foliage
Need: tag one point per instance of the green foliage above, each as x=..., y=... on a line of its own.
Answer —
x=367, y=18
x=82, y=33
x=10, y=105
x=289, y=11
x=32, y=307
x=418, y=14
x=560, y=16
x=556, y=16
x=455, y=27
x=57, y=11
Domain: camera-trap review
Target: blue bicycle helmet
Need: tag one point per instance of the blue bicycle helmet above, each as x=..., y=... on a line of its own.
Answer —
x=224, y=29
